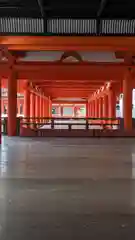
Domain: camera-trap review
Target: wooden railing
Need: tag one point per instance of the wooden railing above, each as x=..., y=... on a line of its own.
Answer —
x=70, y=123
x=66, y=127
x=70, y=127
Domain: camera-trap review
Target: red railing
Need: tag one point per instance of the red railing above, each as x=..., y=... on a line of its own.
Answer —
x=70, y=123
x=72, y=127
x=66, y=127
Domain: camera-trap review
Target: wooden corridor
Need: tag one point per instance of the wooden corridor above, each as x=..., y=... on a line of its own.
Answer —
x=99, y=84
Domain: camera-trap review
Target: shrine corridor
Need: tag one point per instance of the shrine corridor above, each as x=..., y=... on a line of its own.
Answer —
x=67, y=188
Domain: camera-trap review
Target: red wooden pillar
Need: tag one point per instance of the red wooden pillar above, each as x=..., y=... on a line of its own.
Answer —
x=37, y=110
x=61, y=111
x=93, y=109
x=26, y=103
x=0, y=111
x=87, y=110
x=96, y=108
x=89, y=113
x=36, y=106
x=40, y=106
x=32, y=105
x=112, y=103
x=127, y=101
x=105, y=106
x=46, y=109
x=50, y=107
x=74, y=110
x=12, y=104
x=100, y=107
x=43, y=107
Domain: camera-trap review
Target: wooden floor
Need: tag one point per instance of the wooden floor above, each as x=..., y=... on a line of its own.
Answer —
x=67, y=189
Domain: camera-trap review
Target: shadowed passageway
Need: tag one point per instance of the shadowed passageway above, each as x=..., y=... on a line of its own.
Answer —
x=67, y=189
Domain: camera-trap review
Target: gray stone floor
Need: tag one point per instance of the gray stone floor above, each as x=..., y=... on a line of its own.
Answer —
x=67, y=189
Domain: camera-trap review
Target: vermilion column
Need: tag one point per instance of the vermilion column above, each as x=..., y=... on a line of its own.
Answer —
x=93, y=109
x=105, y=106
x=0, y=110
x=40, y=108
x=100, y=107
x=127, y=101
x=50, y=107
x=44, y=107
x=61, y=111
x=45, y=112
x=74, y=110
x=87, y=110
x=26, y=103
x=112, y=103
x=12, y=104
x=32, y=105
x=96, y=108
x=37, y=110
x=45, y=103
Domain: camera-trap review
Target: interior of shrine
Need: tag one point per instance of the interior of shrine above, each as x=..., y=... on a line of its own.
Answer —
x=87, y=80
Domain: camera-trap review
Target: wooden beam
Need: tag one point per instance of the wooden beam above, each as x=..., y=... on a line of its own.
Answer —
x=69, y=95
x=73, y=85
x=78, y=71
x=67, y=72
x=70, y=43
x=68, y=102
x=30, y=64
x=73, y=72
x=86, y=82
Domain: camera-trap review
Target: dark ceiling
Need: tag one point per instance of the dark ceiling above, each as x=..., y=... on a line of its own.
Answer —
x=68, y=8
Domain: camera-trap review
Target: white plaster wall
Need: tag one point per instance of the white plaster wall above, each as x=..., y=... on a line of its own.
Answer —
x=121, y=105
x=86, y=56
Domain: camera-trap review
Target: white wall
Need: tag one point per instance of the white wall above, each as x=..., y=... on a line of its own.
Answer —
x=120, y=112
x=86, y=56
